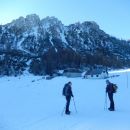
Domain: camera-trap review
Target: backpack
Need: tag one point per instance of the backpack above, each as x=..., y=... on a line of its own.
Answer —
x=115, y=87
x=64, y=90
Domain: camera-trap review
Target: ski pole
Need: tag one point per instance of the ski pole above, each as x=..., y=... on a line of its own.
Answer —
x=62, y=111
x=105, y=104
x=127, y=78
x=74, y=105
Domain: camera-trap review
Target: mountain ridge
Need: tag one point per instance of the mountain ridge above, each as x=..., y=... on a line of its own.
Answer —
x=76, y=45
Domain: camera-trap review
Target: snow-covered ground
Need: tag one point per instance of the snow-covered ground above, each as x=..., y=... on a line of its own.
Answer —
x=33, y=103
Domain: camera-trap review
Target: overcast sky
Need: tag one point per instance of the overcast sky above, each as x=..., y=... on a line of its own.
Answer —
x=113, y=16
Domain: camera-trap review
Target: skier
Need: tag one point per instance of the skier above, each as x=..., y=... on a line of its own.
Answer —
x=110, y=91
x=67, y=92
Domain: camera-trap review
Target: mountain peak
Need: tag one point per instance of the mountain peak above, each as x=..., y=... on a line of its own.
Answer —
x=51, y=21
x=91, y=24
x=32, y=19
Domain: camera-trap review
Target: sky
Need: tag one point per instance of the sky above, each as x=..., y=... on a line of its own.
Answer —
x=113, y=16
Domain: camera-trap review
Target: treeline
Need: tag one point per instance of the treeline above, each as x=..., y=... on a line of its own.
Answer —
x=15, y=63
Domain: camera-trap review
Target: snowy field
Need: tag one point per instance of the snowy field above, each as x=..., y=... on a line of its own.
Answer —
x=32, y=103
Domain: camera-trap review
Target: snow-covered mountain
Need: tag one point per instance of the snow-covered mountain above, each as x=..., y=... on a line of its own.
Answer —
x=40, y=41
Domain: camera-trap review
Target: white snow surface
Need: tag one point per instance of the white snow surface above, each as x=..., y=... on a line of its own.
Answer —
x=33, y=103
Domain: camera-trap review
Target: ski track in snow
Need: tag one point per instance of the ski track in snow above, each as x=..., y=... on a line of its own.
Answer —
x=32, y=124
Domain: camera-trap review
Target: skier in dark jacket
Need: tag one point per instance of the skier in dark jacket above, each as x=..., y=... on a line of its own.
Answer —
x=110, y=91
x=68, y=94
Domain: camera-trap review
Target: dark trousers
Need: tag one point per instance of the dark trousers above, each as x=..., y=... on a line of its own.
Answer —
x=68, y=98
x=112, y=106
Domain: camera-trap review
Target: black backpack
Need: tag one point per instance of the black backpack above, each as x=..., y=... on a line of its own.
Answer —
x=64, y=90
x=115, y=87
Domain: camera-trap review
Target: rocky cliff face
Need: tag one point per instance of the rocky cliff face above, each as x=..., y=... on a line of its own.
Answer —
x=46, y=45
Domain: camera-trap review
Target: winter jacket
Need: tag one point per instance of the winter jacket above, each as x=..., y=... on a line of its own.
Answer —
x=68, y=90
x=109, y=88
